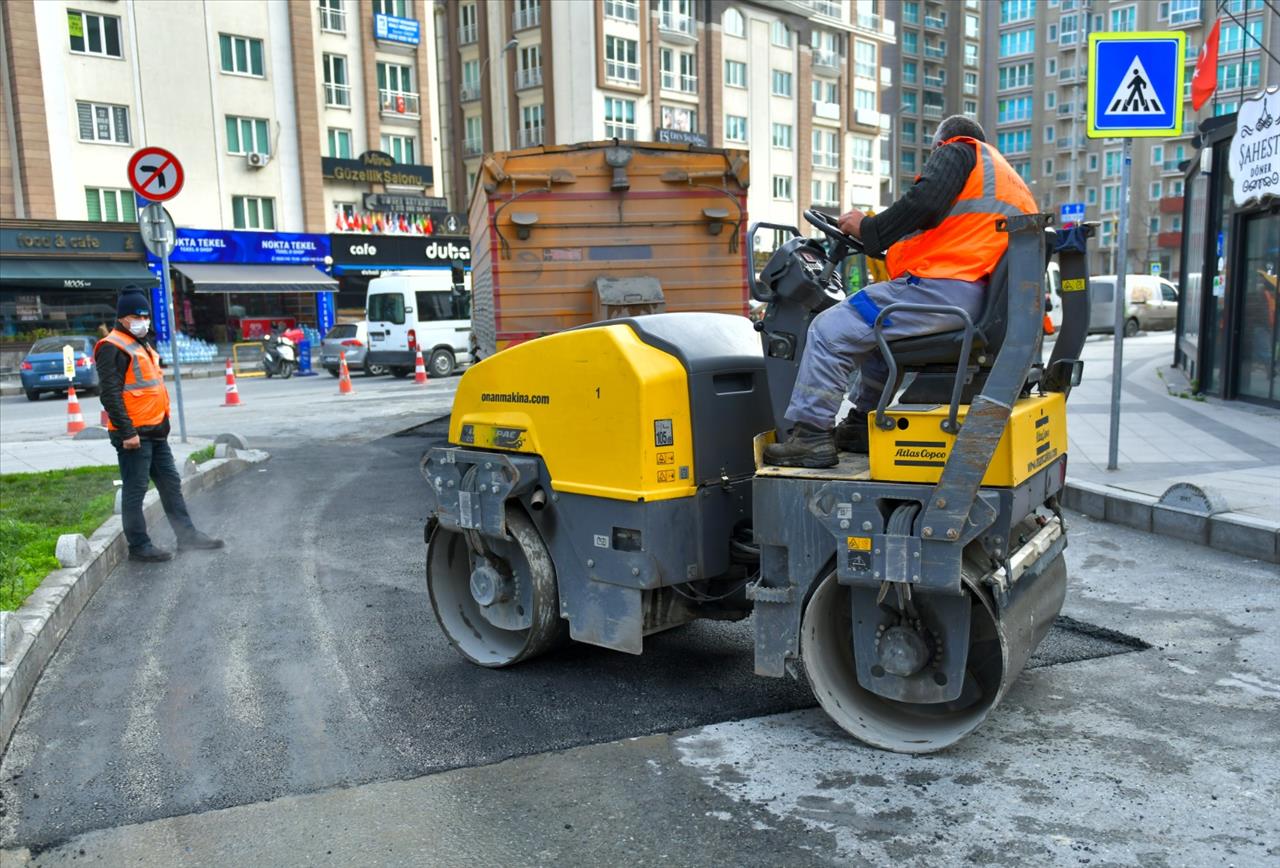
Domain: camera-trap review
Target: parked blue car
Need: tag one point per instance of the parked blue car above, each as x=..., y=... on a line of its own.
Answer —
x=42, y=369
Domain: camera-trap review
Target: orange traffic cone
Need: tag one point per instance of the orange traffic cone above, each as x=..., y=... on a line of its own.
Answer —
x=419, y=371
x=75, y=419
x=233, y=394
x=1048, y=325
x=344, y=376
x=103, y=418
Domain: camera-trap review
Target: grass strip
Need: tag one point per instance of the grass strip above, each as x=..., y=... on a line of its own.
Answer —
x=202, y=455
x=37, y=508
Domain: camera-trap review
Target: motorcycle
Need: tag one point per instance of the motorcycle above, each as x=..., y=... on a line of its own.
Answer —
x=279, y=356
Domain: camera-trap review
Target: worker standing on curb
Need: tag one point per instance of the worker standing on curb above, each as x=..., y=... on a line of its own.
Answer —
x=137, y=404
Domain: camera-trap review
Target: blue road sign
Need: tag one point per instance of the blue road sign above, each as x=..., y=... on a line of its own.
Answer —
x=1070, y=212
x=1135, y=84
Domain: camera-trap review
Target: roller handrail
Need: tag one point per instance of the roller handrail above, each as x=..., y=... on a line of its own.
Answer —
x=950, y=424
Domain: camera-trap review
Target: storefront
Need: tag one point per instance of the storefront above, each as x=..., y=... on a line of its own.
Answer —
x=357, y=259
x=63, y=277
x=231, y=285
x=1228, y=332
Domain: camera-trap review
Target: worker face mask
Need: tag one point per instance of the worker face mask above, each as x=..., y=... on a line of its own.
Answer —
x=139, y=327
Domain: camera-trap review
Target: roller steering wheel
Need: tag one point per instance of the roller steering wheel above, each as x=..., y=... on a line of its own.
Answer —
x=842, y=244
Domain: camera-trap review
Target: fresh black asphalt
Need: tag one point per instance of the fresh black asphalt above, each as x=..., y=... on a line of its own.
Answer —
x=304, y=656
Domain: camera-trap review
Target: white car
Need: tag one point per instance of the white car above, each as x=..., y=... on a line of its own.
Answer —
x=427, y=310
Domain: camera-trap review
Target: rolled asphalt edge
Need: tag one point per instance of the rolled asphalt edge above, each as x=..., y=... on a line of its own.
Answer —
x=48, y=614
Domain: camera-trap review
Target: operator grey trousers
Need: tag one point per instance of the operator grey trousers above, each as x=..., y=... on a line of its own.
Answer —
x=842, y=338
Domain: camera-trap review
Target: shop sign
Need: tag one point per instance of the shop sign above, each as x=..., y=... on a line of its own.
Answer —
x=376, y=167
x=396, y=204
x=400, y=251
x=77, y=242
x=269, y=248
x=389, y=28
x=1255, y=149
x=681, y=137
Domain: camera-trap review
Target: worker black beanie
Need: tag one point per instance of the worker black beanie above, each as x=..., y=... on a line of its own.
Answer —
x=133, y=302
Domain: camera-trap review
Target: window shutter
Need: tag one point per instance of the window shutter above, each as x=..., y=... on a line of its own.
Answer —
x=84, y=112
x=122, y=123
x=92, y=205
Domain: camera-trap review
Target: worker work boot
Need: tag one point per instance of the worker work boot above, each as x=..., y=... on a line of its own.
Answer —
x=851, y=434
x=808, y=446
x=150, y=554
x=199, y=540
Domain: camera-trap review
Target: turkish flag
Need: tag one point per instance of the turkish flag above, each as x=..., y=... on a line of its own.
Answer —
x=1205, y=81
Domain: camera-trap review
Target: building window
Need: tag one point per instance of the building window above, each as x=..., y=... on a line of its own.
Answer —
x=1014, y=142
x=1013, y=110
x=970, y=54
x=1051, y=66
x=971, y=83
x=909, y=132
x=782, y=136
x=911, y=12
x=394, y=8
x=910, y=42
x=782, y=187
x=680, y=118
x=676, y=15
x=781, y=83
x=333, y=18
x=241, y=55
x=94, y=34
x=470, y=81
x=395, y=88
x=247, y=136
x=622, y=10
x=825, y=92
x=532, y=121
x=864, y=99
x=1018, y=42
x=1111, y=164
x=733, y=23
x=528, y=14
x=1156, y=191
x=1023, y=169
x=468, y=29
x=1091, y=196
x=340, y=143
x=908, y=161
x=402, y=149
x=1110, y=197
x=735, y=74
x=825, y=193
x=735, y=128
x=861, y=150
x=101, y=122
x=1051, y=34
x=109, y=206
x=1048, y=134
x=1048, y=167
x=971, y=108
x=1175, y=188
x=619, y=118
x=971, y=26
x=864, y=59
x=253, y=212
x=1181, y=12
x=910, y=72
x=1050, y=99
x=1238, y=74
x=1017, y=10
x=337, y=90
x=1068, y=30
x=1124, y=19
x=826, y=150
x=1015, y=76
x=1157, y=155
x=620, y=60
x=530, y=72
x=910, y=102
x=473, y=137
x=780, y=35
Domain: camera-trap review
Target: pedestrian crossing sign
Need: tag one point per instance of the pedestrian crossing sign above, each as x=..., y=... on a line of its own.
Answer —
x=1135, y=83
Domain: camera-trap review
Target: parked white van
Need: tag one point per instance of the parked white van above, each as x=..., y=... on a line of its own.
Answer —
x=1152, y=303
x=428, y=310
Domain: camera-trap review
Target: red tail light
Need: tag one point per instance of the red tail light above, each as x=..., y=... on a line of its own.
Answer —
x=26, y=366
x=84, y=362
x=352, y=342
x=413, y=340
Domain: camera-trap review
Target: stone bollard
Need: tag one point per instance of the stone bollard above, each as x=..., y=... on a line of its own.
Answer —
x=237, y=441
x=10, y=636
x=190, y=468
x=72, y=549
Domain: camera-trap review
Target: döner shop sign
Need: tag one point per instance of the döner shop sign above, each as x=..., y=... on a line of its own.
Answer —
x=376, y=167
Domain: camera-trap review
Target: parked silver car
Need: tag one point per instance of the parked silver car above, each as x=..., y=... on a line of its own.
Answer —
x=351, y=338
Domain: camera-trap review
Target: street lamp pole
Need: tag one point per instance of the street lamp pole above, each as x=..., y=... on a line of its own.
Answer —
x=510, y=46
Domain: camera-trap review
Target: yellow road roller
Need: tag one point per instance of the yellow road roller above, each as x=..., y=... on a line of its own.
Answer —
x=604, y=484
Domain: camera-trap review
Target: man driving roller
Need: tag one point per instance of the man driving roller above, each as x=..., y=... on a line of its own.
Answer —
x=940, y=245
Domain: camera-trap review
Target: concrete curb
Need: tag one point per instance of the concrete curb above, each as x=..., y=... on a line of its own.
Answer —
x=1236, y=532
x=47, y=615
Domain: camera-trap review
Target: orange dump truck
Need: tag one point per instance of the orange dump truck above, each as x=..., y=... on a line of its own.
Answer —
x=570, y=234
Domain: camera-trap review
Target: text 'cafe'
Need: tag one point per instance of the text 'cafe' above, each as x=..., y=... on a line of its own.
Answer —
x=357, y=259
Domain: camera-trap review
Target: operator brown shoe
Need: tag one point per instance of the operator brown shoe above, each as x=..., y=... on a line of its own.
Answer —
x=808, y=446
x=851, y=434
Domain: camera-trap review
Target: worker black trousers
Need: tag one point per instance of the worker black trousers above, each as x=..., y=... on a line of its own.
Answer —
x=153, y=460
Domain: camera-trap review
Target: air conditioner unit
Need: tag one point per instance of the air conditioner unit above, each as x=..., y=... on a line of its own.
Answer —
x=257, y=160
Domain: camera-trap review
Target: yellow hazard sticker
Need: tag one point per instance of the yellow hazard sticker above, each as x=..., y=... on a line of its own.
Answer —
x=858, y=543
x=1074, y=284
x=666, y=476
x=666, y=458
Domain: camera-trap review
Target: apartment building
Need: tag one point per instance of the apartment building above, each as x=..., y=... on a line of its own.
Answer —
x=796, y=82
x=1035, y=112
x=938, y=58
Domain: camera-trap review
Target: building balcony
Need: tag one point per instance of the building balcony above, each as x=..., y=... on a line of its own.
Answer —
x=469, y=92
x=865, y=117
x=827, y=110
x=1062, y=178
x=934, y=23
x=1171, y=239
x=678, y=28
x=932, y=111
x=468, y=34
x=863, y=166
x=826, y=61
x=398, y=103
x=1171, y=167
x=935, y=51
x=1067, y=73
x=622, y=73
x=526, y=18
x=333, y=20
x=622, y=11
x=1171, y=205
x=526, y=78
x=910, y=78
x=337, y=95
x=1185, y=17
x=825, y=160
x=531, y=136
x=970, y=89
x=472, y=147
x=971, y=61
x=829, y=8
x=935, y=81
x=909, y=108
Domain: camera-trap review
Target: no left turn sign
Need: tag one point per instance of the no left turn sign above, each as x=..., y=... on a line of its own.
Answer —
x=155, y=174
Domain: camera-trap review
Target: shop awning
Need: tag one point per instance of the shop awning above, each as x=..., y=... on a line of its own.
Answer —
x=257, y=278
x=73, y=274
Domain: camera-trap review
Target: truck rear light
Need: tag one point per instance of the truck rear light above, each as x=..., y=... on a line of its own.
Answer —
x=413, y=340
x=84, y=362
x=352, y=342
x=26, y=366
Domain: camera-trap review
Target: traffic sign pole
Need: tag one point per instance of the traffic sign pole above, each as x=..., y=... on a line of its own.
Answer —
x=1121, y=299
x=158, y=228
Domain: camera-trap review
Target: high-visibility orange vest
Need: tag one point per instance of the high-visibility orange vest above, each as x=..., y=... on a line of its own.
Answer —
x=966, y=245
x=145, y=398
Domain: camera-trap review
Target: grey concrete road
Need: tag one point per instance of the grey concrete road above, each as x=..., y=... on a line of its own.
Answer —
x=1167, y=756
